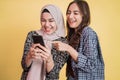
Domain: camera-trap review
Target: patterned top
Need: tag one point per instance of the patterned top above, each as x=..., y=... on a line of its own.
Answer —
x=90, y=65
x=59, y=58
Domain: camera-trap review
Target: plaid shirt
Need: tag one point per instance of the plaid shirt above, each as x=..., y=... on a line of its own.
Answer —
x=59, y=58
x=90, y=65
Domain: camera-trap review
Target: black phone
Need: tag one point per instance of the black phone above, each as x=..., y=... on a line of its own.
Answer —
x=38, y=39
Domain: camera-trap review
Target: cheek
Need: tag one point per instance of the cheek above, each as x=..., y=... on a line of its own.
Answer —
x=42, y=24
x=54, y=28
x=79, y=20
x=67, y=18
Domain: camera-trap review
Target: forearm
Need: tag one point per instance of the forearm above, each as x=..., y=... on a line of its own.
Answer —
x=49, y=65
x=25, y=62
x=28, y=60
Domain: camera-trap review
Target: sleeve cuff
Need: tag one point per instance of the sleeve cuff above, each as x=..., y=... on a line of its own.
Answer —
x=81, y=61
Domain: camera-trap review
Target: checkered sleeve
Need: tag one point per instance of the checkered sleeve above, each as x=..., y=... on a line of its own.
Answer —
x=88, y=53
x=60, y=58
x=27, y=45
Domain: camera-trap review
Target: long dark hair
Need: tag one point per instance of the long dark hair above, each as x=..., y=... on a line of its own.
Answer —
x=74, y=36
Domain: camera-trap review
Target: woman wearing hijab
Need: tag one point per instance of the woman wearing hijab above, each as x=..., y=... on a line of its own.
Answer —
x=44, y=63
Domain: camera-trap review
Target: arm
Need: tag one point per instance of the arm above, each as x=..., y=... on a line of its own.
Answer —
x=88, y=52
x=59, y=58
x=49, y=65
x=87, y=58
x=27, y=45
x=45, y=54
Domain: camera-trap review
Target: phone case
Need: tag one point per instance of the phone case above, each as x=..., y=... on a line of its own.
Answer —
x=38, y=39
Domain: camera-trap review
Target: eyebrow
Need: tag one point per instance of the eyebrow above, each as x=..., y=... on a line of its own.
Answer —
x=74, y=11
x=49, y=18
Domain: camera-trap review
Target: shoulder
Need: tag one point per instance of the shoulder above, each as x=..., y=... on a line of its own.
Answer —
x=62, y=39
x=88, y=31
x=30, y=33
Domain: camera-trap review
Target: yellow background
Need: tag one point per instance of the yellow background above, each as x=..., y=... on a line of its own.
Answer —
x=18, y=17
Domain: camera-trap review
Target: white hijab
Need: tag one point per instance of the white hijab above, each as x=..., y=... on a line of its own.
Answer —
x=38, y=68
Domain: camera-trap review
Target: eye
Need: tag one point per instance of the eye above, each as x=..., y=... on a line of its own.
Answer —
x=43, y=20
x=76, y=13
x=51, y=20
x=68, y=12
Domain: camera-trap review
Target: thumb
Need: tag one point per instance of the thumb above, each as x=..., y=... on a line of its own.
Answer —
x=54, y=42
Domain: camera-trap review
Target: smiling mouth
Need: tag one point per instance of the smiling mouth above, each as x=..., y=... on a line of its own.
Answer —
x=47, y=30
x=72, y=21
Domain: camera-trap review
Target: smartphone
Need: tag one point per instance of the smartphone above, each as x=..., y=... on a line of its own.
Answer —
x=38, y=39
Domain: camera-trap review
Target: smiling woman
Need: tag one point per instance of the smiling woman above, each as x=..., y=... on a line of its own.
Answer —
x=85, y=61
x=16, y=19
x=47, y=22
x=45, y=61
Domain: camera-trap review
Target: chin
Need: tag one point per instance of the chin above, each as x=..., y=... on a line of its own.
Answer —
x=72, y=26
x=48, y=33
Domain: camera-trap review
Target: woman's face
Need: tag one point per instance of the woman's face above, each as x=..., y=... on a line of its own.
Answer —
x=48, y=23
x=74, y=16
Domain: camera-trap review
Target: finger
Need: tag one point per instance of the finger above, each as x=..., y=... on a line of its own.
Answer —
x=44, y=56
x=31, y=51
x=36, y=55
x=45, y=53
x=56, y=45
x=31, y=48
x=55, y=41
x=39, y=46
x=42, y=47
x=45, y=49
x=36, y=45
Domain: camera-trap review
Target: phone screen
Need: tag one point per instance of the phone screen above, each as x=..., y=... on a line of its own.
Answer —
x=38, y=39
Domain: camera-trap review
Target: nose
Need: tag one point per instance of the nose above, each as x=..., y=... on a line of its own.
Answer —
x=71, y=15
x=46, y=23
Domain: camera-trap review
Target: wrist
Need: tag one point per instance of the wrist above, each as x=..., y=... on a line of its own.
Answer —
x=49, y=61
x=68, y=48
x=50, y=65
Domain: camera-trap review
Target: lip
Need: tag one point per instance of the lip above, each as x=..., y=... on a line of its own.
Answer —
x=72, y=22
x=47, y=31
